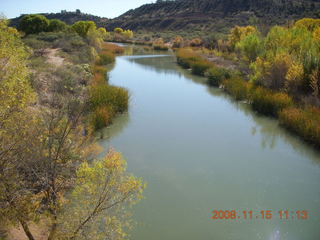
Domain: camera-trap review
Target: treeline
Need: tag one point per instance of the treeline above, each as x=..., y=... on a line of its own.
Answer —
x=36, y=23
x=49, y=174
x=284, y=66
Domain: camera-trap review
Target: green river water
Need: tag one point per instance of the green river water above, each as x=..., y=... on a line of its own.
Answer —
x=200, y=151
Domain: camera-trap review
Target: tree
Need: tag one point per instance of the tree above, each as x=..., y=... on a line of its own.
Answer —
x=251, y=47
x=118, y=30
x=177, y=42
x=34, y=23
x=238, y=33
x=56, y=25
x=83, y=27
x=17, y=203
x=127, y=34
x=104, y=188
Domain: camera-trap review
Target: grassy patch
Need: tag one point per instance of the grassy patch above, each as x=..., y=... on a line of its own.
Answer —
x=217, y=75
x=186, y=57
x=237, y=87
x=304, y=122
x=268, y=102
x=105, y=100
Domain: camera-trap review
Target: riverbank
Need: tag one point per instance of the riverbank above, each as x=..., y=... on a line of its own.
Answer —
x=53, y=83
x=195, y=145
x=106, y=101
x=301, y=120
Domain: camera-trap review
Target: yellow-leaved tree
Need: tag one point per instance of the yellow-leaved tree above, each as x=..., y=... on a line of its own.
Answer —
x=18, y=204
x=97, y=208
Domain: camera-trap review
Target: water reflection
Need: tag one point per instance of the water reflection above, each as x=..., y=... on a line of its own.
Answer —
x=198, y=149
x=120, y=122
x=268, y=128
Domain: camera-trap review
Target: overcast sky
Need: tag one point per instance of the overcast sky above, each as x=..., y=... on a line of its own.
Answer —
x=103, y=8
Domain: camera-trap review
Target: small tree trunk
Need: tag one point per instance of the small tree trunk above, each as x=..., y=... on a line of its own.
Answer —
x=26, y=229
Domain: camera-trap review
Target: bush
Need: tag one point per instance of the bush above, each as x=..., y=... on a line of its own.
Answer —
x=237, y=87
x=217, y=75
x=304, y=122
x=200, y=67
x=268, y=102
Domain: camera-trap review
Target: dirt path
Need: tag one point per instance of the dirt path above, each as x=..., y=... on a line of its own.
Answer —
x=52, y=57
x=39, y=231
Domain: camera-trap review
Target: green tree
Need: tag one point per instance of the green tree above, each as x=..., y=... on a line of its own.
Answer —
x=56, y=25
x=251, y=47
x=238, y=33
x=118, y=30
x=34, y=23
x=17, y=203
x=83, y=27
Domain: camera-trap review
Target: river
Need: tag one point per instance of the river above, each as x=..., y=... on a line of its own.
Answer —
x=200, y=151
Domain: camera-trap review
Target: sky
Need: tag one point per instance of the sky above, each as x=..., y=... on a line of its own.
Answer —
x=102, y=8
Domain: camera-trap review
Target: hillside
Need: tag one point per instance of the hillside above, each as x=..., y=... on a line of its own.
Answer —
x=67, y=17
x=218, y=15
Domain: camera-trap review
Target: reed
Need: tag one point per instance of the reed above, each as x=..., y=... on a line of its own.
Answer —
x=217, y=75
x=237, y=87
x=304, y=122
x=113, y=48
x=268, y=102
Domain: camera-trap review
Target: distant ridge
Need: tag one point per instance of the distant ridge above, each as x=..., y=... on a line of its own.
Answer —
x=213, y=14
x=198, y=15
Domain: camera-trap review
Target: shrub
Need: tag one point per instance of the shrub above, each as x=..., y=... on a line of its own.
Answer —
x=217, y=75
x=237, y=87
x=268, y=102
x=304, y=122
x=200, y=67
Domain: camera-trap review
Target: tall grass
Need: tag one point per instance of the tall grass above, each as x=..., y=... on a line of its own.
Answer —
x=107, y=95
x=200, y=67
x=304, y=122
x=102, y=117
x=237, y=87
x=105, y=57
x=113, y=48
x=105, y=100
x=268, y=102
x=217, y=75
x=186, y=57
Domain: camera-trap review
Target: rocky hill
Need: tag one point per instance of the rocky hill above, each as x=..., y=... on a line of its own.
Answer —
x=218, y=15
